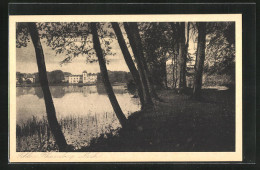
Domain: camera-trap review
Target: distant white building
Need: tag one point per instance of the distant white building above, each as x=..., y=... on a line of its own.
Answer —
x=74, y=79
x=66, y=78
x=89, y=77
x=92, y=77
x=84, y=78
x=31, y=78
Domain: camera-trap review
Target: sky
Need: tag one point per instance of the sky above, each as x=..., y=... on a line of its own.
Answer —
x=26, y=60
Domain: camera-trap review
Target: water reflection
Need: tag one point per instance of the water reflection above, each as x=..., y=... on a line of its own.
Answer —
x=87, y=106
x=117, y=89
x=60, y=91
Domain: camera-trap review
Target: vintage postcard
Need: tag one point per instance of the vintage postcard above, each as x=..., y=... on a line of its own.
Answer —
x=125, y=88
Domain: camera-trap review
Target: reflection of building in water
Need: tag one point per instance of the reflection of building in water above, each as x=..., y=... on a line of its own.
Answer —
x=117, y=89
x=57, y=91
x=84, y=78
x=73, y=89
x=24, y=91
x=89, y=90
x=86, y=90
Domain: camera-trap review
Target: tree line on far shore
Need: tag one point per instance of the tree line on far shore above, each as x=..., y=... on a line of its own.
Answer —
x=58, y=77
x=54, y=77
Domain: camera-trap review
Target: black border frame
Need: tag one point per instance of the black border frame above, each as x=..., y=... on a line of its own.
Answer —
x=248, y=11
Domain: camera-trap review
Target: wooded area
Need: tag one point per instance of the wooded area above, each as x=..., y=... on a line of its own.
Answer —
x=158, y=56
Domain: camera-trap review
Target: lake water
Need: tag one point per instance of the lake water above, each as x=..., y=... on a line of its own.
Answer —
x=87, y=107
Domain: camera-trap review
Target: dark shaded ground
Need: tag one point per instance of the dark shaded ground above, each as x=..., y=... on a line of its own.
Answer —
x=178, y=124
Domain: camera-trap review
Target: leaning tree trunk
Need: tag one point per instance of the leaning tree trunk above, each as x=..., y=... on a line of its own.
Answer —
x=199, y=59
x=129, y=61
x=147, y=71
x=150, y=82
x=50, y=109
x=143, y=77
x=103, y=69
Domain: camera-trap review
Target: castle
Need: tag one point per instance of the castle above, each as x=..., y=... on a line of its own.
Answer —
x=84, y=78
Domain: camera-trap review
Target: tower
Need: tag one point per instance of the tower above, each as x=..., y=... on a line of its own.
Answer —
x=84, y=76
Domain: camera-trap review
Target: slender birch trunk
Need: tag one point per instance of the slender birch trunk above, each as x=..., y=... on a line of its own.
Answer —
x=129, y=61
x=103, y=69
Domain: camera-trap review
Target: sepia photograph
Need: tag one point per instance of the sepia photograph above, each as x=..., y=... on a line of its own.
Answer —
x=91, y=88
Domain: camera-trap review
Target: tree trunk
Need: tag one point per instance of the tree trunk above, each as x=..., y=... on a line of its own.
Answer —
x=187, y=38
x=173, y=70
x=129, y=61
x=137, y=54
x=164, y=67
x=176, y=71
x=182, y=57
x=50, y=109
x=199, y=59
x=103, y=69
x=150, y=82
x=185, y=56
x=175, y=39
x=151, y=85
x=156, y=71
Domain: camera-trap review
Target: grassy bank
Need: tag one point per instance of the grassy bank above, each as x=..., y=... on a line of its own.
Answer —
x=35, y=135
x=177, y=124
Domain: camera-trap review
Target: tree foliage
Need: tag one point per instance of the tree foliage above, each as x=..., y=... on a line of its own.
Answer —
x=116, y=77
x=22, y=35
x=157, y=44
x=55, y=76
x=220, y=49
x=70, y=38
